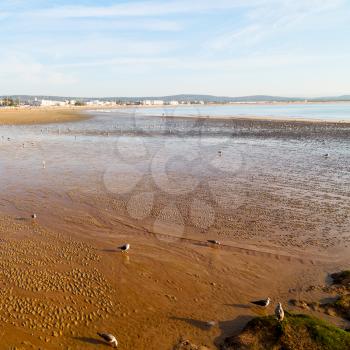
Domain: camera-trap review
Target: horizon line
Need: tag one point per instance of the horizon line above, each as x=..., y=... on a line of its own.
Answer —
x=180, y=94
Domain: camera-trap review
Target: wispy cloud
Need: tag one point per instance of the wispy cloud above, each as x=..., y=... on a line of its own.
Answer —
x=4, y=15
x=104, y=24
x=91, y=47
x=24, y=71
x=142, y=8
x=254, y=62
x=271, y=18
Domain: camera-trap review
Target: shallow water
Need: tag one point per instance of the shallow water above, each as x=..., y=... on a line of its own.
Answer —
x=312, y=111
x=226, y=168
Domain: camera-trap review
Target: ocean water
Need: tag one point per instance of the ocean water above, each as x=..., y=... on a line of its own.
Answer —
x=319, y=111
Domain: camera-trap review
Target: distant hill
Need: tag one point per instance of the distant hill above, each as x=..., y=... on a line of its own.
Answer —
x=185, y=97
x=325, y=99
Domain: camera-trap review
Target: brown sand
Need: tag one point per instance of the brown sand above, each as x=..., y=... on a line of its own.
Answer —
x=24, y=116
x=57, y=291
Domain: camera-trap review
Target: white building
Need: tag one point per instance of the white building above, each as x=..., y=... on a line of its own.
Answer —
x=173, y=103
x=95, y=103
x=50, y=103
x=152, y=102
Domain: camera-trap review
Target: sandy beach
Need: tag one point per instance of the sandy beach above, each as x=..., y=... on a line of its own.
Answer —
x=27, y=116
x=279, y=208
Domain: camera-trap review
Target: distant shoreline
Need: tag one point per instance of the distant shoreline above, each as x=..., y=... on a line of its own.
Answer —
x=48, y=115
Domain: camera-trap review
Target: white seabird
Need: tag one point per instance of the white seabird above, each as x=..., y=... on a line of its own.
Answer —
x=44, y=164
x=109, y=338
x=263, y=302
x=125, y=247
x=279, y=312
x=33, y=216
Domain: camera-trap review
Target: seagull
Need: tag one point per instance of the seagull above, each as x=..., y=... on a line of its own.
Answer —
x=279, y=312
x=109, y=338
x=125, y=247
x=220, y=153
x=326, y=155
x=33, y=216
x=263, y=302
x=44, y=164
x=213, y=241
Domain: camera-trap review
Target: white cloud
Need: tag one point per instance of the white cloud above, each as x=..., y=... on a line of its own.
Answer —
x=24, y=71
x=4, y=15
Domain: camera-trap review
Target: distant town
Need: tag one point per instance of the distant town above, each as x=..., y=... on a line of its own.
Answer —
x=175, y=100
x=12, y=102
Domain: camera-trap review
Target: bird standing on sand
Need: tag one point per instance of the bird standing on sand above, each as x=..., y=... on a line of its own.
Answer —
x=44, y=164
x=213, y=241
x=279, y=312
x=263, y=302
x=125, y=247
x=33, y=216
x=220, y=153
x=109, y=338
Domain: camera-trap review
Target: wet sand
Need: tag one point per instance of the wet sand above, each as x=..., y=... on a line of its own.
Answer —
x=280, y=209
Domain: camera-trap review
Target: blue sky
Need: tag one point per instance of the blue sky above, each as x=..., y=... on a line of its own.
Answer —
x=140, y=48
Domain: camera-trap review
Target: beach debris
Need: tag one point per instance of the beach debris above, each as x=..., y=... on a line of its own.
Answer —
x=279, y=312
x=262, y=302
x=125, y=247
x=213, y=241
x=33, y=216
x=185, y=344
x=109, y=339
x=301, y=304
x=326, y=155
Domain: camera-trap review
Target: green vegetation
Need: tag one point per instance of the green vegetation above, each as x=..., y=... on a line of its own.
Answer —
x=9, y=102
x=296, y=332
x=79, y=103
